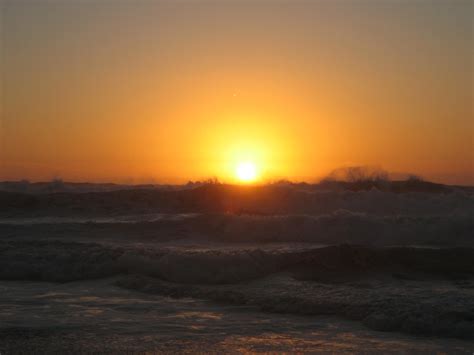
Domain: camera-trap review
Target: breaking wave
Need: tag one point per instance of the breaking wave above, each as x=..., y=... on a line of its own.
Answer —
x=67, y=261
x=227, y=199
x=384, y=305
x=395, y=261
x=341, y=226
x=378, y=286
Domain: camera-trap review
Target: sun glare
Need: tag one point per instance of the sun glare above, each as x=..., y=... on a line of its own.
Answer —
x=246, y=171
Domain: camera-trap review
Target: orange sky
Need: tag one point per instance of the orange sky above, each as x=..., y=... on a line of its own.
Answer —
x=171, y=91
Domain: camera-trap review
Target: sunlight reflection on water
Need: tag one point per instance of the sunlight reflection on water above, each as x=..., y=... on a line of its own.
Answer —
x=97, y=316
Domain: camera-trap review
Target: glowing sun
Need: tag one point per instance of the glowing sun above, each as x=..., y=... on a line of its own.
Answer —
x=246, y=171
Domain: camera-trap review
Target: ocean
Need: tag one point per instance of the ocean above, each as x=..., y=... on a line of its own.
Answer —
x=153, y=280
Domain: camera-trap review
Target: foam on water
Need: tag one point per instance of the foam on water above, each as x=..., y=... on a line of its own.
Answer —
x=51, y=220
x=277, y=250
x=96, y=316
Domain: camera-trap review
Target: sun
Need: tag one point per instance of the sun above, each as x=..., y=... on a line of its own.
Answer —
x=246, y=171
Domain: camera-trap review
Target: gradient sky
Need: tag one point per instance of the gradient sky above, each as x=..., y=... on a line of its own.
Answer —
x=168, y=91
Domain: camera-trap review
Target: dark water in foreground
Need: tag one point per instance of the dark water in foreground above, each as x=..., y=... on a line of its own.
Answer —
x=95, y=315
x=230, y=283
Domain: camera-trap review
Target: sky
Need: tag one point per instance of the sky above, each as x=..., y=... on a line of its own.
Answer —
x=176, y=90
